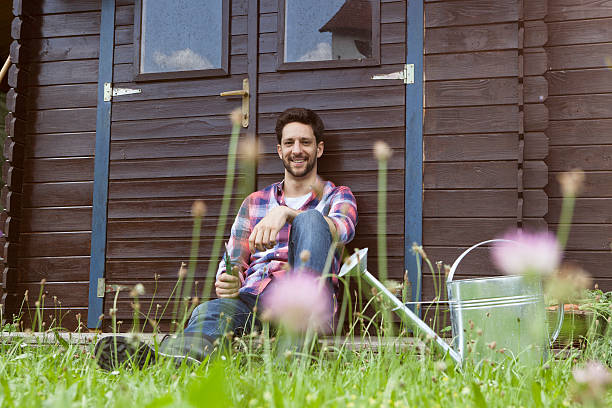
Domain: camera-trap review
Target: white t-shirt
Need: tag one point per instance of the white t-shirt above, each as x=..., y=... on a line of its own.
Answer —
x=296, y=202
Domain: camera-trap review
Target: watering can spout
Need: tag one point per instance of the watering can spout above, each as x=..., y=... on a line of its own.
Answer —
x=356, y=265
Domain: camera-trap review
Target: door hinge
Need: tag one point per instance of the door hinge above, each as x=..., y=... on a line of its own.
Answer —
x=110, y=91
x=101, y=289
x=406, y=75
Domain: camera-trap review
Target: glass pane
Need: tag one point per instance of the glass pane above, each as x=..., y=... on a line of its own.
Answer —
x=321, y=30
x=181, y=35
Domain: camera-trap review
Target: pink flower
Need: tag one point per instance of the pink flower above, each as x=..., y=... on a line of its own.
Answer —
x=536, y=253
x=594, y=374
x=299, y=301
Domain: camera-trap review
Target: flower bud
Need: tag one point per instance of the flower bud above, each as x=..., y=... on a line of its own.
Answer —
x=198, y=209
x=382, y=151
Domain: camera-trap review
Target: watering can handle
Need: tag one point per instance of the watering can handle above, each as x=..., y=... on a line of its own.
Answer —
x=467, y=251
x=453, y=268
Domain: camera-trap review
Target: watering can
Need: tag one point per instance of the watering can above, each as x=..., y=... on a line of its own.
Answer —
x=491, y=318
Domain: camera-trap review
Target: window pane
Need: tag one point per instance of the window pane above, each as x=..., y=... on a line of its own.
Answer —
x=181, y=35
x=321, y=30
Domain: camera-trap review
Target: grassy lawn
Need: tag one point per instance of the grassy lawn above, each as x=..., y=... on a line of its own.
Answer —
x=255, y=376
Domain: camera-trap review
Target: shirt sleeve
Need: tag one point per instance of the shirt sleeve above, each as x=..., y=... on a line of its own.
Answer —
x=343, y=213
x=238, y=244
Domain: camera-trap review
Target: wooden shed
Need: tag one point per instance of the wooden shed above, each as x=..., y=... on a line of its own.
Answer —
x=491, y=101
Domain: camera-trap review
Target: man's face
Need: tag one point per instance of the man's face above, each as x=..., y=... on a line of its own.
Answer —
x=299, y=150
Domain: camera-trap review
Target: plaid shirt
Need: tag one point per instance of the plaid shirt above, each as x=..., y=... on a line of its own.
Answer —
x=337, y=203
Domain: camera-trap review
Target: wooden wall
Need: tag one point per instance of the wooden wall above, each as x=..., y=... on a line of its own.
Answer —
x=57, y=42
x=515, y=92
x=471, y=129
x=579, y=51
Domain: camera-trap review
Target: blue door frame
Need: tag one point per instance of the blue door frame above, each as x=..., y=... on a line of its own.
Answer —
x=101, y=163
x=413, y=188
x=413, y=196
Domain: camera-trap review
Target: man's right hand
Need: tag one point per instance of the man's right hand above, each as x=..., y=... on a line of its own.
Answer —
x=227, y=286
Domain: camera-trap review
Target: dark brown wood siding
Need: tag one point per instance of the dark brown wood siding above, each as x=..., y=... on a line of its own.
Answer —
x=471, y=129
x=579, y=50
x=59, y=46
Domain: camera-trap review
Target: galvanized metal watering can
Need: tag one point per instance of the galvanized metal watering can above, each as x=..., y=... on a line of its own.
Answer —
x=491, y=318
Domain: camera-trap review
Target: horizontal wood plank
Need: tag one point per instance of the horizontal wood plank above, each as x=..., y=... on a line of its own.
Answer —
x=497, y=146
x=579, y=56
x=463, y=231
x=62, y=48
x=579, y=132
x=58, y=169
x=580, y=32
x=586, y=211
x=597, y=184
x=565, y=158
x=580, y=81
x=592, y=106
x=62, y=120
x=465, y=12
x=471, y=65
x=563, y=10
x=501, y=174
x=501, y=118
x=471, y=38
x=58, y=194
x=54, y=269
x=494, y=91
x=64, y=219
x=63, y=96
x=64, y=72
x=144, y=189
x=64, y=244
x=324, y=79
x=334, y=99
x=469, y=203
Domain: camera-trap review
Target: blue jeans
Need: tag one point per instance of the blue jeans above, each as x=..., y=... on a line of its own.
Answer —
x=309, y=231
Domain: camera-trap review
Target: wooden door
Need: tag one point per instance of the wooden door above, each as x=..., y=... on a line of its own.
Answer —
x=168, y=143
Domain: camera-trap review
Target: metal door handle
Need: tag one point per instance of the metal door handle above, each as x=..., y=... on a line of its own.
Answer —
x=244, y=92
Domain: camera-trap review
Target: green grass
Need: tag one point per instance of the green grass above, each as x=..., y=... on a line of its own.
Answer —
x=66, y=376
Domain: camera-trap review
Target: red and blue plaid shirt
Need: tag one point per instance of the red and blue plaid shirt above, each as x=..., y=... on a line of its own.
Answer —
x=257, y=269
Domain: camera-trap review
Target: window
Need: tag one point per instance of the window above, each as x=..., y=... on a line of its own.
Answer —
x=181, y=38
x=328, y=33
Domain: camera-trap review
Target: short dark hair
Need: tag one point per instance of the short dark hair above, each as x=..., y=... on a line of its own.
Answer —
x=301, y=115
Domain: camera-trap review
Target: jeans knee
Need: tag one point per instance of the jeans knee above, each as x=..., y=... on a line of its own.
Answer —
x=308, y=219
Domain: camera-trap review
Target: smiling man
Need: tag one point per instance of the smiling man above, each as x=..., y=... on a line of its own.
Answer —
x=273, y=228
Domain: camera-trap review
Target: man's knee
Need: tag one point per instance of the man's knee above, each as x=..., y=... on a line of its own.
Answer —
x=309, y=219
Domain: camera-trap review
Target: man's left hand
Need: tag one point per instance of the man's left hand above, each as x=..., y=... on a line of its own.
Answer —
x=265, y=232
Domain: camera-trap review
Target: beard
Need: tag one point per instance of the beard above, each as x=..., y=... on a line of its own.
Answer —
x=310, y=163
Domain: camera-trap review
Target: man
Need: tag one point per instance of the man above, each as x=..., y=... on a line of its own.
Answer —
x=273, y=227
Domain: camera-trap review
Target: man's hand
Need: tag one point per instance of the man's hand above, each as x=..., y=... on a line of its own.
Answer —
x=264, y=234
x=227, y=286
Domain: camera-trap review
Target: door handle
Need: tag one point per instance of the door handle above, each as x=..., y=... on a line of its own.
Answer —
x=244, y=92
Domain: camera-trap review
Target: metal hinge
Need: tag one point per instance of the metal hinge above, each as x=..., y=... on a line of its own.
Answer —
x=407, y=74
x=101, y=289
x=109, y=91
